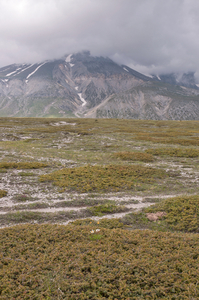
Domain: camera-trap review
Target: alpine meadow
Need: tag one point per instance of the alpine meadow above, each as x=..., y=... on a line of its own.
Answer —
x=99, y=209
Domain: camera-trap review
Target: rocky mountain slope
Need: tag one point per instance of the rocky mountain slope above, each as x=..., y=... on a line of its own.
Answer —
x=80, y=85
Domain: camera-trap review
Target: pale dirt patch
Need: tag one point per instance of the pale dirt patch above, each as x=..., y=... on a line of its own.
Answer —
x=61, y=123
x=155, y=216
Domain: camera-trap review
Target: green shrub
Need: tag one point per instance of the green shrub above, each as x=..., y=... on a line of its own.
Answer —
x=103, y=178
x=182, y=213
x=3, y=193
x=134, y=156
x=175, y=152
x=107, y=208
x=22, y=165
x=95, y=237
x=22, y=198
x=102, y=223
x=70, y=262
x=26, y=174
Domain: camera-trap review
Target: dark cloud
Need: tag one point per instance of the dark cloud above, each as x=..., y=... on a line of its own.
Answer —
x=152, y=36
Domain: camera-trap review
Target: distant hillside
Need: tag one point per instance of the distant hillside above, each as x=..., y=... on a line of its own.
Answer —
x=80, y=85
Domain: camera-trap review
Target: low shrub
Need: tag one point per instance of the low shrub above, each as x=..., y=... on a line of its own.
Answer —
x=136, y=220
x=134, y=156
x=103, y=178
x=22, y=198
x=167, y=140
x=107, y=208
x=41, y=217
x=182, y=213
x=22, y=165
x=102, y=223
x=3, y=193
x=81, y=202
x=26, y=174
x=77, y=262
x=175, y=152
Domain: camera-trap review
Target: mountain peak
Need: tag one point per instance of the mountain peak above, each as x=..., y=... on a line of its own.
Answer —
x=81, y=85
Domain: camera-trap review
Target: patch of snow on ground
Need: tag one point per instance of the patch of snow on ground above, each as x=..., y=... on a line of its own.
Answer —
x=158, y=77
x=72, y=65
x=82, y=99
x=76, y=88
x=197, y=85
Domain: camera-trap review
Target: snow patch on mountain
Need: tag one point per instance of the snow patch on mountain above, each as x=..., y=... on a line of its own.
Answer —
x=5, y=81
x=13, y=72
x=125, y=69
x=68, y=58
x=35, y=71
x=82, y=99
x=24, y=69
x=147, y=75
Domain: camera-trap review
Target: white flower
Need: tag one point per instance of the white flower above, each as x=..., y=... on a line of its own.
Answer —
x=92, y=231
x=97, y=230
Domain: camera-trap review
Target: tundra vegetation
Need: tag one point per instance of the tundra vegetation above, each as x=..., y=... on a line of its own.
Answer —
x=129, y=191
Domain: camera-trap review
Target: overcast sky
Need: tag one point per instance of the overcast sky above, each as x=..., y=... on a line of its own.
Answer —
x=152, y=36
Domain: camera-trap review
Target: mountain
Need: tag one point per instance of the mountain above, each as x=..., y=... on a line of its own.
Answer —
x=81, y=85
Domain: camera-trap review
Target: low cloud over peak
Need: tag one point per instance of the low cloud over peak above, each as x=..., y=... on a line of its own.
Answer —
x=152, y=36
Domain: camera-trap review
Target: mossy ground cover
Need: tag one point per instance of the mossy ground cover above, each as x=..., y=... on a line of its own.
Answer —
x=87, y=262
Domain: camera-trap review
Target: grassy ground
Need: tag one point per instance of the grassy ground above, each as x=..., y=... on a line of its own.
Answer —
x=58, y=160
x=110, y=178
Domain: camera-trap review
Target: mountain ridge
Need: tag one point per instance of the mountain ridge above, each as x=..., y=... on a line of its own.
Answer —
x=80, y=85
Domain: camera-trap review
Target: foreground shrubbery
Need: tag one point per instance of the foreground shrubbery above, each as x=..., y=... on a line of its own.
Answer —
x=85, y=262
x=103, y=178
